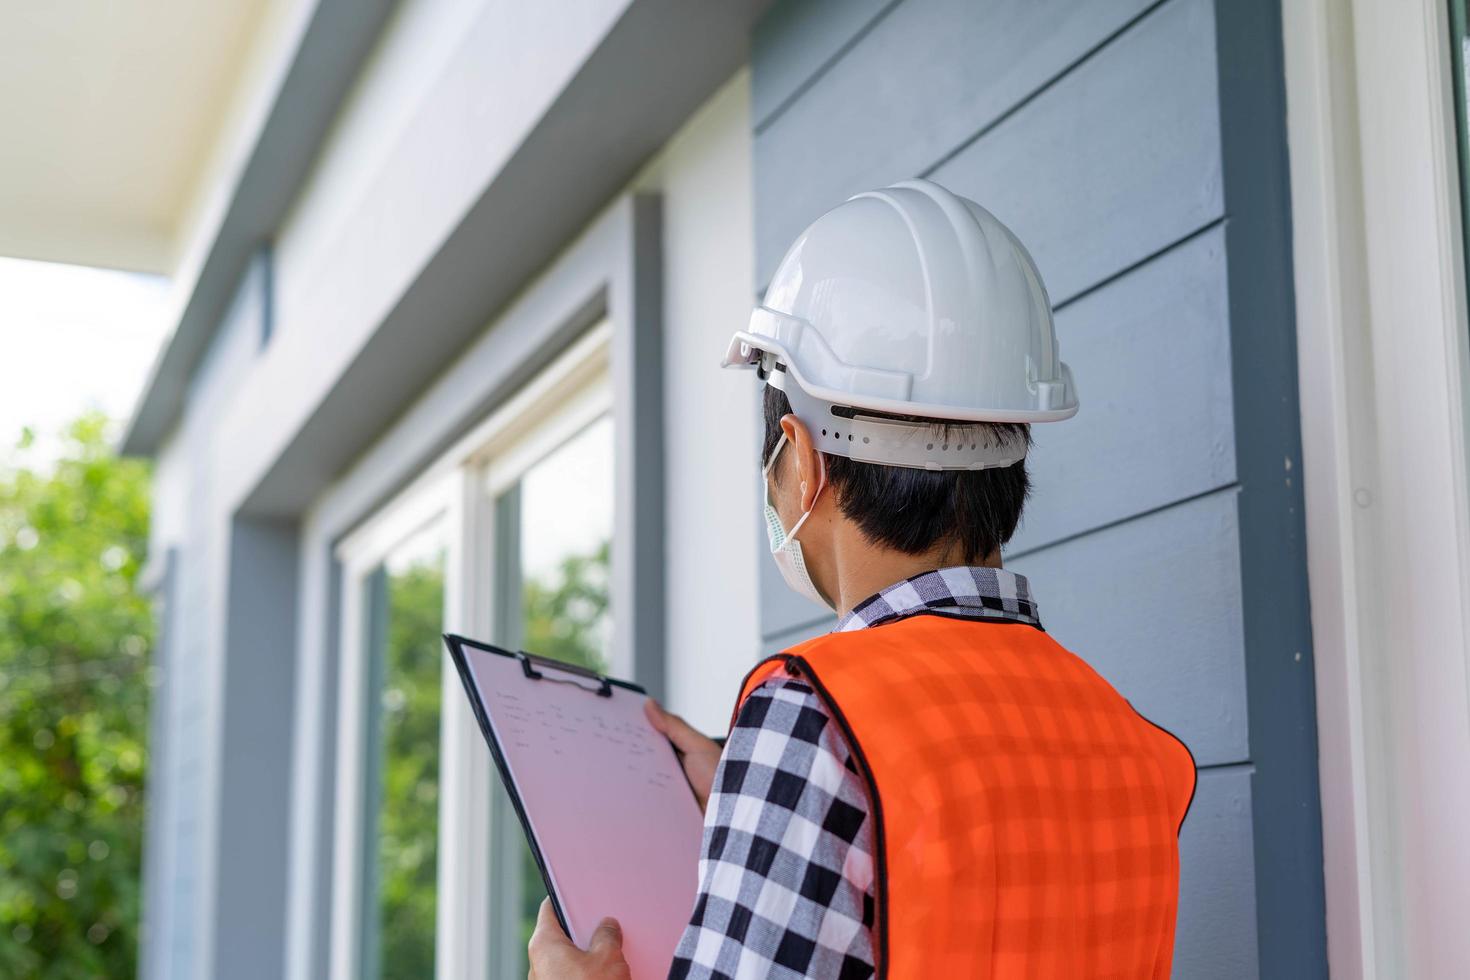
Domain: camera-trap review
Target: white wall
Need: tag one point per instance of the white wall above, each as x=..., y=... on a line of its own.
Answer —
x=710, y=440
x=388, y=189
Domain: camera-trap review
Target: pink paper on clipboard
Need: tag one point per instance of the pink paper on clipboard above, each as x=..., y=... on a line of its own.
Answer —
x=609, y=809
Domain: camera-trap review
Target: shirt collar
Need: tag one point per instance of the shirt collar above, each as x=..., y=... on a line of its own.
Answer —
x=963, y=590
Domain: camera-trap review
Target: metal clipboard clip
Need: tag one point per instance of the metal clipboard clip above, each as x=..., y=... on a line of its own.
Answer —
x=528, y=660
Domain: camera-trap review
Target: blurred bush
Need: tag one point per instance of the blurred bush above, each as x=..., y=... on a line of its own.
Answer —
x=74, y=642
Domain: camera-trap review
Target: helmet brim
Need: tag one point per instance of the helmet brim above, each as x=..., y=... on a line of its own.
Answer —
x=746, y=350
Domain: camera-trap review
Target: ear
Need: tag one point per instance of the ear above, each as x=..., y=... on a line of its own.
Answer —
x=807, y=460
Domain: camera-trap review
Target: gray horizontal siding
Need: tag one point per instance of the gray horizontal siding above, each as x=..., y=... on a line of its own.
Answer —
x=802, y=631
x=928, y=77
x=797, y=40
x=1137, y=148
x=1119, y=159
x=1215, y=937
x=1066, y=172
x=1154, y=606
x=1146, y=435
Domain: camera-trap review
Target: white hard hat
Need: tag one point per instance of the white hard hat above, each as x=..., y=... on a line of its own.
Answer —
x=909, y=301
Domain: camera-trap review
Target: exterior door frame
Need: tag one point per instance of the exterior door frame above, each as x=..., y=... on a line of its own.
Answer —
x=1384, y=364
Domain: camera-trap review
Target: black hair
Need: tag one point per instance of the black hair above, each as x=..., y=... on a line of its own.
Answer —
x=913, y=510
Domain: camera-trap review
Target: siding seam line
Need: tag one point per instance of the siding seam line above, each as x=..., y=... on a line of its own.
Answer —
x=816, y=74
x=1159, y=253
x=1245, y=764
x=1067, y=539
x=1181, y=501
x=1041, y=89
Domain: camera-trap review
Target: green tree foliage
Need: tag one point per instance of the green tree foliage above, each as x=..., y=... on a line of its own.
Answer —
x=408, y=810
x=74, y=639
x=564, y=617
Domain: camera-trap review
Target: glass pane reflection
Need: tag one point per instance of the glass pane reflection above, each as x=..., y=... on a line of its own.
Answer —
x=554, y=530
x=406, y=610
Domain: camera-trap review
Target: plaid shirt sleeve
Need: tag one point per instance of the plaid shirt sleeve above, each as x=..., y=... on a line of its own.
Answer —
x=786, y=872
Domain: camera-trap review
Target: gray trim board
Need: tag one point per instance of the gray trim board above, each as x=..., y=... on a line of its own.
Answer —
x=257, y=698
x=1291, y=909
x=375, y=613
x=637, y=580
x=161, y=584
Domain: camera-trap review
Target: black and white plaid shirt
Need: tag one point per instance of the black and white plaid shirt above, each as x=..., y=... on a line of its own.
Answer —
x=786, y=872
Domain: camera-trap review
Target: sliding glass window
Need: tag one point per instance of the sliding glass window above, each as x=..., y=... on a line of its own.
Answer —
x=404, y=605
x=508, y=536
x=553, y=540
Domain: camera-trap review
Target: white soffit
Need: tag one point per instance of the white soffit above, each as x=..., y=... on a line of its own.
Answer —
x=111, y=116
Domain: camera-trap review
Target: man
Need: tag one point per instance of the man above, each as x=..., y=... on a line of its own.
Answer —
x=936, y=788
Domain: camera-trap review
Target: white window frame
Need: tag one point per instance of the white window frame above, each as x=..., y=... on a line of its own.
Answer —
x=361, y=554
x=459, y=487
x=1384, y=369
x=612, y=271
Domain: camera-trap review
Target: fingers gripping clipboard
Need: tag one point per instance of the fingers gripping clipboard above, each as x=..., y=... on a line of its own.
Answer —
x=611, y=819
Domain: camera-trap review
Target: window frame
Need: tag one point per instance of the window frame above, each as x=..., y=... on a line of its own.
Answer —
x=612, y=270
x=362, y=556
x=460, y=489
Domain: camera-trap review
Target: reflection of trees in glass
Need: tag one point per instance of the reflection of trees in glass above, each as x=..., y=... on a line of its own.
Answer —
x=74, y=639
x=566, y=618
x=565, y=614
x=408, y=814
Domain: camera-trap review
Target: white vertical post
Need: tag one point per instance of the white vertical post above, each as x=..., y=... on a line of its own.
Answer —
x=464, y=761
x=1384, y=361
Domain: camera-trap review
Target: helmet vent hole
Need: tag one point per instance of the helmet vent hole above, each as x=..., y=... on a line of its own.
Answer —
x=824, y=432
x=865, y=439
x=930, y=446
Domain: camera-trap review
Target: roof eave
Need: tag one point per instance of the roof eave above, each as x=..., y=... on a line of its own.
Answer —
x=315, y=75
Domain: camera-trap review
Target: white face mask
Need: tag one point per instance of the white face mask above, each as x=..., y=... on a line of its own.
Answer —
x=784, y=546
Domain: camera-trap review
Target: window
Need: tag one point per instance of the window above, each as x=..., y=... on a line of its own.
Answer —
x=508, y=536
x=404, y=605
x=551, y=496
x=390, y=713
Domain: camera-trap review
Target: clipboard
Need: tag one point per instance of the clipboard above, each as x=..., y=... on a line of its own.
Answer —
x=602, y=798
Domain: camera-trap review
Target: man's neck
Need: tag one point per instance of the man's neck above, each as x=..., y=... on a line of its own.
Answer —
x=863, y=570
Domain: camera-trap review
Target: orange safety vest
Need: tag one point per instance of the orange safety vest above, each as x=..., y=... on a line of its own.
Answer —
x=1025, y=817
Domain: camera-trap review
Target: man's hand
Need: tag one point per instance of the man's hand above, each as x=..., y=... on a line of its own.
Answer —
x=554, y=956
x=700, y=755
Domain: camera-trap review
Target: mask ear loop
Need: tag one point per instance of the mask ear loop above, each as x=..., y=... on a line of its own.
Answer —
x=775, y=454
x=821, y=482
